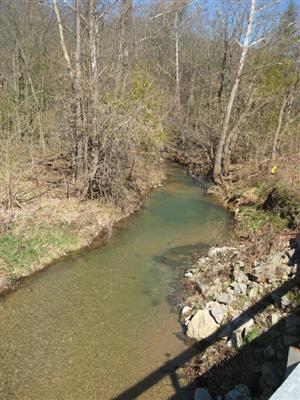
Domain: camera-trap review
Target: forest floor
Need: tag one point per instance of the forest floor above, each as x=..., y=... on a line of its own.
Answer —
x=241, y=301
x=47, y=221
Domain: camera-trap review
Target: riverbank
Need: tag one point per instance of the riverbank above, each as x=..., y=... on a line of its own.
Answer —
x=97, y=312
x=243, y=297
x=46, y=228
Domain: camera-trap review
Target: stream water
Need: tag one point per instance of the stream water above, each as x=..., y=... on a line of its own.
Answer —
x=95, y=325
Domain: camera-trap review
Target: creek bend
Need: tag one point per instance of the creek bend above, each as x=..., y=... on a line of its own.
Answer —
x=94, y=325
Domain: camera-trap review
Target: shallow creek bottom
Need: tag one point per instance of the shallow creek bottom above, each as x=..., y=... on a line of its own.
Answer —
x=100, y=325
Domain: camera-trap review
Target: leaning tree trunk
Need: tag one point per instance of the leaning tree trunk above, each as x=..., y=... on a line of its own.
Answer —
x=218, y=170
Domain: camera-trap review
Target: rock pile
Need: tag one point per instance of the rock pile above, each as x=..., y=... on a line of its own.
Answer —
x=227, y=286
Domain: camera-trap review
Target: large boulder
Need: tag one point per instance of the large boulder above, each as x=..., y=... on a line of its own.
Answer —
x=202, y=325
x=218, y=311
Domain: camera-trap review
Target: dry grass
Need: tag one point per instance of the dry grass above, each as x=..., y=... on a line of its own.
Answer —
x=41, y=220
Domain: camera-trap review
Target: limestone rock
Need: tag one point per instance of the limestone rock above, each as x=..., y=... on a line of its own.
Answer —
x=224, y=298
x=219, y=251
x=285, y=301
x=276, y=260
x=294, y=269
x=274, y=318
x=239, y=288
x=240, y=392
x=201, y=325
x=203, y=288
x=252, y=290
x=282, y=302
x=236, y=340
x=244, y=323
x=218, y=312
x=239, y=276
x=186, y=310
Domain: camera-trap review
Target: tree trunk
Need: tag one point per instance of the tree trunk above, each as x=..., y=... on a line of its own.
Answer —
x=125, y=46
x=279, y=125
x=62, y=39
x=234, y=133
x=93, y=51
x=177, y=63
x=218, y=170
x=79, y=142
x=224, y=60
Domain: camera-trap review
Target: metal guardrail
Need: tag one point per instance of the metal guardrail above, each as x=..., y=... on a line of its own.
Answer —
x=290, y=388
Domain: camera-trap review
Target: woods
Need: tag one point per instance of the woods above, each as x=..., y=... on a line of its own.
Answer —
x=98, y=99
x=104, y=85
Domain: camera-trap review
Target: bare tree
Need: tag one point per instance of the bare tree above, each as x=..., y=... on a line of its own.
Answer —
x=176, y=27
x=217, y=170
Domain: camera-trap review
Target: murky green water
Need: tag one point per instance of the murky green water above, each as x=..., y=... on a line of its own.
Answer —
x=93, y=326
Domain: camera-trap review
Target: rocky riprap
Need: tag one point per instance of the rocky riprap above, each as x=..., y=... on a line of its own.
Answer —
x=247, y=309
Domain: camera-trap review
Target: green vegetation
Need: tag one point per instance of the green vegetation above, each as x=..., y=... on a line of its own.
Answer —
x=20, y=253
x=251, y=335
x=256, y=219
x=294, y=297
x=239, y=302
x=17, y=253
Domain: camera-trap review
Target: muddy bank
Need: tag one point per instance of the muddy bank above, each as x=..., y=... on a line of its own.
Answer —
x=49, y=228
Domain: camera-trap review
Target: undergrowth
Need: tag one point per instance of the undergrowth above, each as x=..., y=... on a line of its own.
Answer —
x=251, y=335
x=256, y=219
x=20, y=253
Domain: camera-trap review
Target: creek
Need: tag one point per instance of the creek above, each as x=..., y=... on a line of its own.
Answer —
x=96, y=324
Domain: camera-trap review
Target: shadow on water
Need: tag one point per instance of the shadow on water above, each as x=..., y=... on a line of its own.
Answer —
x=243, y=367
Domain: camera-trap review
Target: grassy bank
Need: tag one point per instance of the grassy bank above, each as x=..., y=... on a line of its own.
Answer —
x=50, y=226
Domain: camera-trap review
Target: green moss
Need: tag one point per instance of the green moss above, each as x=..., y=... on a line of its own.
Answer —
x=251, y=335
